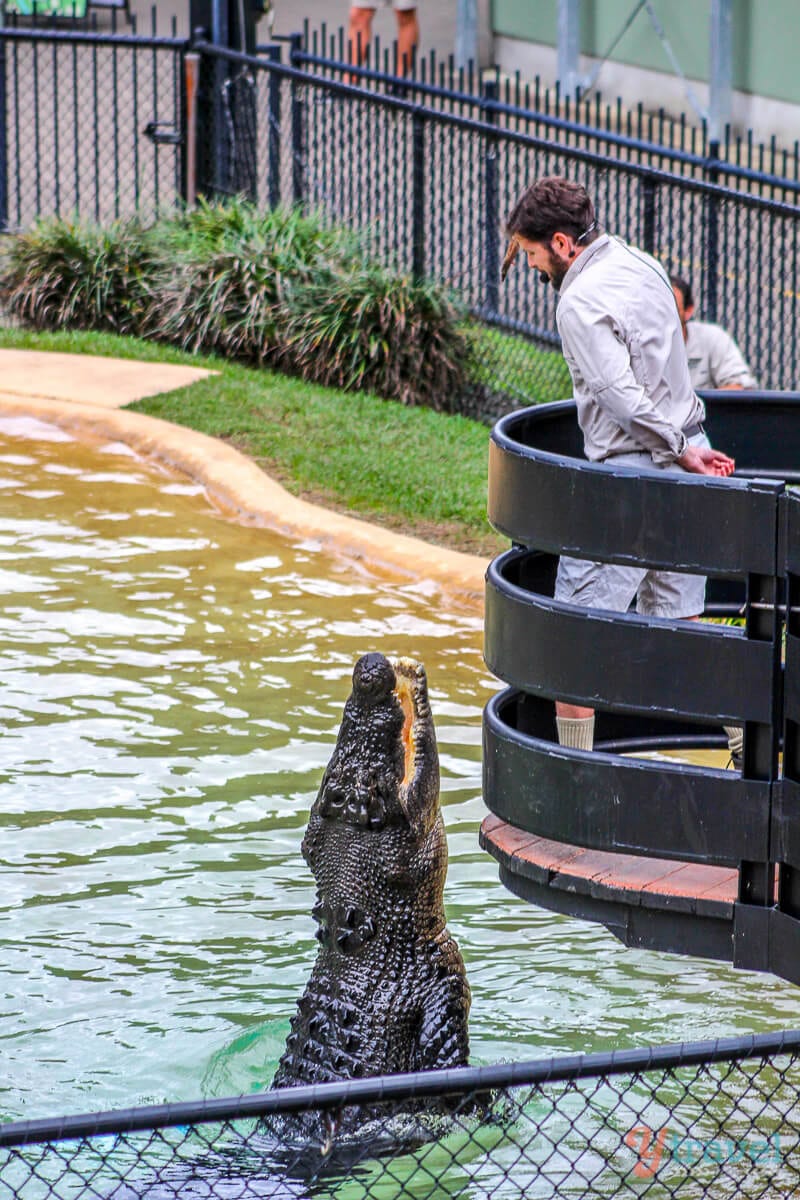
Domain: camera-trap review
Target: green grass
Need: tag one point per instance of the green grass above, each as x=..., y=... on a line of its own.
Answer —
x=412, y=469
x=511, y=364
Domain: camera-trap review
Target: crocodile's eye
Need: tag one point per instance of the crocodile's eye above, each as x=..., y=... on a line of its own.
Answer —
x=373, y=677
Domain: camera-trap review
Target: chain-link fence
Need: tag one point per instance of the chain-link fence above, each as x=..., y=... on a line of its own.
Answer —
x=718, y=1118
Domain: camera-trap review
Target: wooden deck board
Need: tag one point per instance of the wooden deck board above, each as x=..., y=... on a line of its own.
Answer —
x=617, y=878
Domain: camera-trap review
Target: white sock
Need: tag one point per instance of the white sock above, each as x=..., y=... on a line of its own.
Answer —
x=735, y=739
x=576, y=732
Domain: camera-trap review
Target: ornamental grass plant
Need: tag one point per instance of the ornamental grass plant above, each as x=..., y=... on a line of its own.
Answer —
x=76, y=275
x=223, y=276
x=379, y=331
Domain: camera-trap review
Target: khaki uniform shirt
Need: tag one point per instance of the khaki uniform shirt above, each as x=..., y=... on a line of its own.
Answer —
x=715, y=361
x=624, y=347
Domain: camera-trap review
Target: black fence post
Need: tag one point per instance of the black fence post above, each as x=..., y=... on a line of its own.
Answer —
x=209, y=23
x=418, y=171
x=710, y=306
x=273, y=53
x=227, y=108
x=491, y=214
x=785, y=834
x=763, y=623
x=648, y=194
x=298, y=125
x=3, y=140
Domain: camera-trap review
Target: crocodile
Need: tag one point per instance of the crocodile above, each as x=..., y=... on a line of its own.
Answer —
x=388, y=990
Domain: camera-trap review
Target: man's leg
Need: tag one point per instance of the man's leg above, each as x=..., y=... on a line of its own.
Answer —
x=575, y=726
x=735, y=735
x=359, y=35
x=668, y=594
x=407, y=39
x=590, y=585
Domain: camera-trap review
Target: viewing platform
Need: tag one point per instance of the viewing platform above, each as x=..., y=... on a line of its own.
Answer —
x=670, y=849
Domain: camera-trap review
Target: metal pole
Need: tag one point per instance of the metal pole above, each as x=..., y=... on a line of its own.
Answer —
x=648, y=195
x=491, y=215
x=418, y=176
x=3, y=137
x=298, y=126
x=220, y=143
x=273, y=52
x=569, y=26
x=191, y=79
x=720, y=69
x=466, y=32
x=219, y=22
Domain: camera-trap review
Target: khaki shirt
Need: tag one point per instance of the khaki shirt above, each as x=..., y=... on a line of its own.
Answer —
x=623, y=344
x=715, y=361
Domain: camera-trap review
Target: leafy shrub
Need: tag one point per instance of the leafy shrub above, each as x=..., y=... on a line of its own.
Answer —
x=224, y=303
x=78, y=275
x=223, y=274
x=376, y=330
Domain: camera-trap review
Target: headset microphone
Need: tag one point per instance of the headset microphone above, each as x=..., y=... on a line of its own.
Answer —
x=544, y=277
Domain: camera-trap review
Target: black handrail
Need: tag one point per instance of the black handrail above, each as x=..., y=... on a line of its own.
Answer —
x=394, y=1088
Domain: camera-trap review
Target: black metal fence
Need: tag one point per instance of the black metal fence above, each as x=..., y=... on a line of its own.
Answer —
x=717, y=1118
x=429, y=176
x=91, y=122
x=108, y=124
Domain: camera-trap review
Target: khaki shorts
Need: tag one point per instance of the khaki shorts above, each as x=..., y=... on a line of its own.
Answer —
x=613, y=587
x=398, y=5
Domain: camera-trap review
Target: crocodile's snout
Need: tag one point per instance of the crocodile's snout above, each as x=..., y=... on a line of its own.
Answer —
x=384, y=769
x=373, y=678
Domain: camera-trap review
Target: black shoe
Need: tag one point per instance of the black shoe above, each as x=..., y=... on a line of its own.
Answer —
x=735, y=761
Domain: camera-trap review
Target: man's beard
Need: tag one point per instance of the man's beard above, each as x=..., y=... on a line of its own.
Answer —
x=556, y=270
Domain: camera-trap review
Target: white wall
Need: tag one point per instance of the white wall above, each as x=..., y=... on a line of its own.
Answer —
x=654, y=89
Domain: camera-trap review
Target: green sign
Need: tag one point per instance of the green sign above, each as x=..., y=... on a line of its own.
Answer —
x=46, y=8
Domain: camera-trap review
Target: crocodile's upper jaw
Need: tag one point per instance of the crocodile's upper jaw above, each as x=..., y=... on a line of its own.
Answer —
x=411, y=690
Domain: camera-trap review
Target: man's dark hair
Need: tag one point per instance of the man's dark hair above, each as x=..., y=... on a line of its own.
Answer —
x=685, y=288
x=553, y=205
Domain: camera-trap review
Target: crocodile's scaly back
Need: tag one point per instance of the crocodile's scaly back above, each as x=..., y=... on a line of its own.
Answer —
x=388, y=991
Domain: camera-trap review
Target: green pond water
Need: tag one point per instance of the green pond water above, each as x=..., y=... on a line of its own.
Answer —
x=171, y=688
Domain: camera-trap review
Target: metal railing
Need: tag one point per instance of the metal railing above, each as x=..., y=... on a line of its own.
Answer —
x=717, y=1118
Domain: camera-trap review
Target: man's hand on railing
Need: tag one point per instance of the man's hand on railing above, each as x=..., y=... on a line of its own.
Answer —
x=702, y=460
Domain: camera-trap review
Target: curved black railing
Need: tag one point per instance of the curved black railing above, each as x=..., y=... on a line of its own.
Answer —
x=655, y=683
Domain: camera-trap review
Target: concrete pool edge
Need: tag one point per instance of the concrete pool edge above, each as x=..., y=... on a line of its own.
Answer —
x=238, y=486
